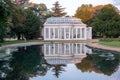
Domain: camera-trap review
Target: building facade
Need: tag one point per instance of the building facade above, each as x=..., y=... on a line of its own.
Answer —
x=66, y=28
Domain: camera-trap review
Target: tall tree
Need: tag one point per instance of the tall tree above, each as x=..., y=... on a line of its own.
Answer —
x=58, y=10
x=4, y=14
x=18, y=18
x=106, y=22
x=41, y=11
x=31, y=25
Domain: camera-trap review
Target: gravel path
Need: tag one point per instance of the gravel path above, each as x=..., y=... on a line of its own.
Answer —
x=99, y=46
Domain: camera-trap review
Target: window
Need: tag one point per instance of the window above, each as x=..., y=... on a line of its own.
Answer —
x=67, y=32
x=83, y=30
x=62, y=33
x=51, y=33
x=74, y=32
x=47, y=32
x=56, y=32
x=78, y=33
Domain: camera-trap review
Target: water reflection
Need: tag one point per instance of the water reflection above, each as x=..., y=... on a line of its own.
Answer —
x=59, y=61
x=101, y=62
x=65, y=53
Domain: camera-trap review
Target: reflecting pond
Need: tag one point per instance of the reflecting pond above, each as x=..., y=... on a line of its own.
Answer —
x=58, y=61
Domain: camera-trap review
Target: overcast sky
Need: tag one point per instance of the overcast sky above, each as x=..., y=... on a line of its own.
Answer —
x=72, y=5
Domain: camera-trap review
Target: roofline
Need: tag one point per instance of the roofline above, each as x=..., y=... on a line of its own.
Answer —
x=65, y=25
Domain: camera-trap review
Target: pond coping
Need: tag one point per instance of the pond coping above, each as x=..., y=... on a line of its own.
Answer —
x=37, y=43
x=20, y=44
x=103, y=47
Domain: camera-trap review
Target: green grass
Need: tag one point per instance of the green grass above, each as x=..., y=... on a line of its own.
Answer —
x=110, y=43
x=18, y=41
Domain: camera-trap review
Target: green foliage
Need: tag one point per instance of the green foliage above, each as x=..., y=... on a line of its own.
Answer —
x=18, y=18
x=4, y=15
x=57, y=10
x=31, y=25
x=106, y=22
x=100, y=62
x=23, y=63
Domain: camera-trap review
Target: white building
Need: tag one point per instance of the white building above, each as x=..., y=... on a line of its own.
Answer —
x=66, y=28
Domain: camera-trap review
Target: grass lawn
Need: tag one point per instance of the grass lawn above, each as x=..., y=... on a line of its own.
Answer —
x=18, y=41
x=111, y=43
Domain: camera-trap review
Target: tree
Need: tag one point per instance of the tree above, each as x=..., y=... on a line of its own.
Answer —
x=41, y=11
x=57, y=10
x=106, y=22
x=85, y=12
x=4, y=15
x=31, y=25
x=21, y=3
x=18, y=17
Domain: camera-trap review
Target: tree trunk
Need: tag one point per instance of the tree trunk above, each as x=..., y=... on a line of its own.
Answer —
x=18, y=36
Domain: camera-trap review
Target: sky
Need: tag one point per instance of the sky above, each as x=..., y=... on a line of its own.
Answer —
x=72, y=5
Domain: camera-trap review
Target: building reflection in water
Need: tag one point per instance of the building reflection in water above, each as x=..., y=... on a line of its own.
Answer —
x=65, y=53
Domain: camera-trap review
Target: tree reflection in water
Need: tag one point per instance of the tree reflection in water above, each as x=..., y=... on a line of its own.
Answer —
x=29, y=62
x=58, y=69
x=100, y=62
x=24, y=63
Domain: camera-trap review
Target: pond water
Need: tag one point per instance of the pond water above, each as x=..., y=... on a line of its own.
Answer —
x=58, y=61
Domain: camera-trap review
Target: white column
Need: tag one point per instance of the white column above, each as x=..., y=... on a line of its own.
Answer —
x=81, y=48
x=49, y=33
x=44, y=49
x=45, y=33
x=85, y=33
x=54, y=49
x=64, y=34
x=58, y=33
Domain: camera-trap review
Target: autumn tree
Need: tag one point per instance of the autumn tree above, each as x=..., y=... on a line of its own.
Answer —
x=58, y=10
x=85, y=12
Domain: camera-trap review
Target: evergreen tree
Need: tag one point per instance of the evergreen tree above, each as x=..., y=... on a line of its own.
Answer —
x=58, y=10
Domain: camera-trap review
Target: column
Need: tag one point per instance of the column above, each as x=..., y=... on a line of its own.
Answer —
x=58, y=33
x=69, y=33
x=44, y=33
x=85, y=33
x=64, y=33
x=50, y=33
